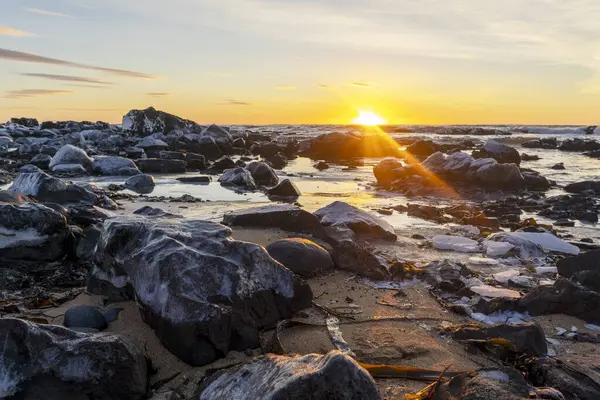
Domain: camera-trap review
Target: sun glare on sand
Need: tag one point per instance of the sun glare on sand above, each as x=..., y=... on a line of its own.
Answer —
x=368, y=118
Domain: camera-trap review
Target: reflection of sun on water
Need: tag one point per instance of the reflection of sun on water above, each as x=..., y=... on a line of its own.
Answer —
x=368, y=118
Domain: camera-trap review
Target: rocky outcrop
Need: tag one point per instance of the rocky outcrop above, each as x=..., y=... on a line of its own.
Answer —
x=69, y=154
x=239, y=177
x=202, y=292
x=112, y=165
x=288, y=218
x=150, y=120
x=263, y=174
x=54, y=363
x=302, y=256
x=362, y=223
x=32, y=232
x=423, y=148
x=318, y=377
x=500, y=152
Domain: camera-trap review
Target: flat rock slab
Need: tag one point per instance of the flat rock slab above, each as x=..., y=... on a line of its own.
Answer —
x=289, y=218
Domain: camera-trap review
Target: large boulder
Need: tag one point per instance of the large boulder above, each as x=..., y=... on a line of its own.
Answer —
x=221, y=136
x=303, y=257
x=496, y=175
x=361, y=222
x=69, y=154
x=41, y=161
x=54, y=363
x=112, y=165
x=285, y=190
x=346, y=145
x=202, y=292
x=583, y=187
x=387, y=171
x=142, y=183
x=263, y=174
x=313, y=376
x=239, y=177
x=69, y=169
x=286, y=217
x=158, y=166
x=32, y=232
x=150, y=120
x=423, y=148
x=588, y=261
x=46, y=188
x=500, y=152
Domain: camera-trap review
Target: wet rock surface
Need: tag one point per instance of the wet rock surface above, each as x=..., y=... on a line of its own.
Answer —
x=289, y=218
x=302, y=256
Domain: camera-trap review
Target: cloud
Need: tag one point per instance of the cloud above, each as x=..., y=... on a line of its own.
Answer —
x=68, y=78
x=20, y=56
x=232, y=102
x=86, y=86
x=322, y=86
x=285, y=87
x=361, y=84
x=46, y=12
x=8, y=31
x=27, y=93
x=158, y=94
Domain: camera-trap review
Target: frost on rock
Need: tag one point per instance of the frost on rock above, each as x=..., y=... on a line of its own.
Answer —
x=492, y=292
x=238, y=177
x=202, y=292
x=69, y=154
x=112, y=165
x=456, y=243
x=497, y=249
x=99, y=366
x=549, y=242
x=314, y=376
x=44, y=187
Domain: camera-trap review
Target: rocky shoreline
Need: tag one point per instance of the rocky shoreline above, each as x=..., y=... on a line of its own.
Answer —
x=109, y=292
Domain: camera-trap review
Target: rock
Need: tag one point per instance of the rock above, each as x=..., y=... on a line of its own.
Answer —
x=456, y=243
x=27, y=168
x=558, y=166
x=286, y=217
x=529, y=157
x=588, y=261
x=171, y=155
x=318, y=377
x=142, y=183
x=423, y=148
x=153, y=212
x=564, y=222
x=535, y=181
x=26, y=122
x=158, y=166
x=84, y=215
x=527, y=339
x=387, y=171
x=238, y=177
x=302, y=256
x=583, y=187
x=112, y=165
x=222, y=164
x=195, y=161
x=32, y=232
x=51, y=362
x=148, y=121
x=350, y=256
x=69, y=169
x=84, y=317
x=546, y=241
x=346, y=145
x=135, y=153
x=321, y=165
x=243, y=289
x=46, y=188
x=564, y=376
x=499, y=176
x=579, y=145
x=564, y=297
x=543, y=143
x=263, y=174
x=41, y=161
x=69, y=154
x=152, y=144
x=361, y=222
x=195, y=179
x=277, y=161
x=286, y=189
x=503, y=383
x=86, y=247
x=500, y=152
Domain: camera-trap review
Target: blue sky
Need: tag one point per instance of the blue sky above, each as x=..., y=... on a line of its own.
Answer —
x=302, y=61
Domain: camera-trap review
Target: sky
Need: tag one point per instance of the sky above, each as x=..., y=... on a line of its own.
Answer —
x=303, y=61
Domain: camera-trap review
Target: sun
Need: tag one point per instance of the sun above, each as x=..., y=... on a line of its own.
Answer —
x=368, y=118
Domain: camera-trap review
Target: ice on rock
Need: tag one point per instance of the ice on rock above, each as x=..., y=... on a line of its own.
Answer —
x=496, y=249
x=491, y=291
x=470, y=229
x=483, y=261
x=549, y=242
x=504, y=317
x=505, y=276
x=546, y=270
x=456, y=243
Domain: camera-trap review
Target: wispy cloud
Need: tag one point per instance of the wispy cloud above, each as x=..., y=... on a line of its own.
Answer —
x=86, y=86
x=27, y=93
x=361, y=84
x=322, y=86
x=8, y=31
x=47, y=12
x=232, y=102
x=20, y=56
x=285, y=87
x=69, y=78
x=158, y=94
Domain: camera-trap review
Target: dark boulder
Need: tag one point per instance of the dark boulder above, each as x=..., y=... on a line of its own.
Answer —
x=285, y=190
x=195, y=179
x=314, y=376
x=583, y=187
x=529, y=157
x=239, y=177
x=579, y=145
x=423, y=148
x=543, y=143
x=69, y=154
x=41, y=161
x=277, y=161
x=32, y=232
x=222, y=164
x=527, y=339
x=242, y=291
x=500, y=152
x=321, y=165
x=150, y=120
x=84, y=318
x=387, y=171
x=142, y=183
x=562, y=375
x=285, y=217
x=195, y=161
x=345, y=145
x=26, y=122
x=361, y=222
x=559, y=166
x=158, y=166
x=53, y=363
x=302, y=256
x=148, y=211
x=588, y=261
x=263, y=174
x=113, y=165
